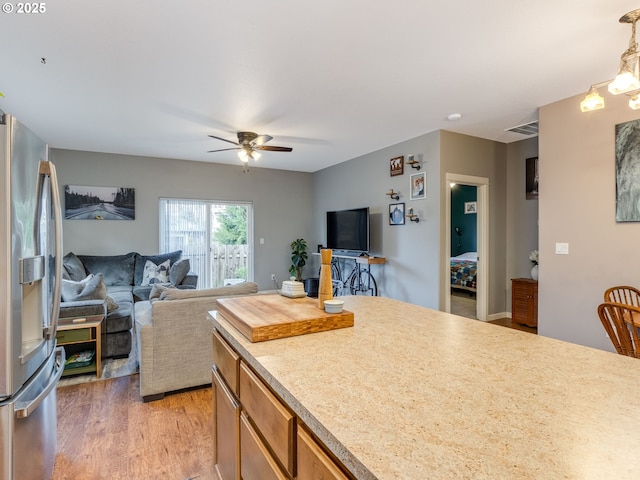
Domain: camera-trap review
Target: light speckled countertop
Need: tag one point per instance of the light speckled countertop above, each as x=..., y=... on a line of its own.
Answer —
x=412, y=393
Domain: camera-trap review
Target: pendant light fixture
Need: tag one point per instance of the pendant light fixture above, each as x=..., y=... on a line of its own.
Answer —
x=628, y=78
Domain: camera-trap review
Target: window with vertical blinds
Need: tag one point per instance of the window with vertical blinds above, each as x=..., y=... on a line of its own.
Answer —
x=214, y=236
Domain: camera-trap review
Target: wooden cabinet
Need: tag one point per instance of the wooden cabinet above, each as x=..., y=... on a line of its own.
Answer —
x=524, y=301
x=256, y=435
x=313, y=462
x=226, y=430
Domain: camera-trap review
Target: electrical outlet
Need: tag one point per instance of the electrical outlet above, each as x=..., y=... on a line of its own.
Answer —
x=273, y=277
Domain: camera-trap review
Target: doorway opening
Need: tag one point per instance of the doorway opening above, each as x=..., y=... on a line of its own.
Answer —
x=466, y=273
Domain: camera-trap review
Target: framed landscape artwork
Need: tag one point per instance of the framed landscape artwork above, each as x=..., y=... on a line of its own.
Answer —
x=99, y=203
x=396, y=166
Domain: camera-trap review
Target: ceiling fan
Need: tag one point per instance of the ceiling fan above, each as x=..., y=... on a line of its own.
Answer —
x=249, y=144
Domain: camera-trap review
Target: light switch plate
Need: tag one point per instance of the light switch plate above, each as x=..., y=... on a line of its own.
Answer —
x=562, y=249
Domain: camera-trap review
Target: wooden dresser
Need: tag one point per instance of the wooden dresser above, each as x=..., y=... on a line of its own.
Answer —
x=524, y=301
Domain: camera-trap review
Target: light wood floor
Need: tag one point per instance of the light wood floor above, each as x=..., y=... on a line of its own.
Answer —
x=105, y=431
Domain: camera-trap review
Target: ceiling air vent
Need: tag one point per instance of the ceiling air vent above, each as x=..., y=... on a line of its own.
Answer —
x=525, y=129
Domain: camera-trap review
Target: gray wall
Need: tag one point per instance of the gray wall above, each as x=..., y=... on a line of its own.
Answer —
x=466, y=155
x=412, y=250
x=281, y=203
x=522, y=214
x=578, y=206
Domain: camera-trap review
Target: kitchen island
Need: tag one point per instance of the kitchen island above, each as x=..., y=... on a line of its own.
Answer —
x=413, y=393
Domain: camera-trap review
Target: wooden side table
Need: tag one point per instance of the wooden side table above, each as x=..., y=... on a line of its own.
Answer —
x=524, y=301
x=78, y=334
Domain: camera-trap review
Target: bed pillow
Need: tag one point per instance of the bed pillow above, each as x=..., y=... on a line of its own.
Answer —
x=155, y=273
x=90, y=288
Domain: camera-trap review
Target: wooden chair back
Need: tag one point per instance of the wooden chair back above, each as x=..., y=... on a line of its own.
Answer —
x=622, y=323
x=623, y=294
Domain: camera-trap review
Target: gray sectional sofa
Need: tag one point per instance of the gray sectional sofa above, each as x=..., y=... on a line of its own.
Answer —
x=109, y=285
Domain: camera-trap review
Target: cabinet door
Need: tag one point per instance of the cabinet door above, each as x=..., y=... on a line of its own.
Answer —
x=313, y=462
x=257, y=463
x=275, y=423
x=227, y=362
x=226, y=430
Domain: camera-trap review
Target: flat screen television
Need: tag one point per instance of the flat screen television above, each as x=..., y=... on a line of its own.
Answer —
x=348, y=230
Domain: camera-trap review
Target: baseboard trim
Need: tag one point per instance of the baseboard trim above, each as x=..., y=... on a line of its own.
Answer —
x=497, y=316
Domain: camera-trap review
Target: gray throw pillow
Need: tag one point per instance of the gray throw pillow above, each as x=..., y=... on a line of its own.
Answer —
x=179, y=270
x=111, y=304
x=74, y=267
x=91, y=288
x=157, y=290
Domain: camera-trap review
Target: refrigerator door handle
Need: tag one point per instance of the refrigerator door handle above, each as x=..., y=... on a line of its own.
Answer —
x=24, y=409
x=48, y=168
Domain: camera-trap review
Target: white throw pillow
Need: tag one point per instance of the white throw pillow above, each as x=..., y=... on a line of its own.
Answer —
x=155, y=273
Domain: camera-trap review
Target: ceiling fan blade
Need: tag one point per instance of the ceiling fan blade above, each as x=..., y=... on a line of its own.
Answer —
x=274, y=148
x=223, y=150
x=262, y=139
x=224, y=139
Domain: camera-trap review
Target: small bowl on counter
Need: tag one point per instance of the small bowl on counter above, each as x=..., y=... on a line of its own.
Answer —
x=333, y=306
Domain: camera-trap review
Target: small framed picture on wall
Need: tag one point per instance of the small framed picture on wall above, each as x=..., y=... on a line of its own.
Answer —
x=470, y=207
x=396, y=214
x=396, y=166
x=418, y=186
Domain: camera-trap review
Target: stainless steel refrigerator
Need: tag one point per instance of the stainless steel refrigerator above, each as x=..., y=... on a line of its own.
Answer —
x=30, y=276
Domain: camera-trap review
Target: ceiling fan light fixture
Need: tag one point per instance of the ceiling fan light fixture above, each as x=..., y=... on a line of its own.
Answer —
x=256, y=155
x=592, y=101
x=243, y=155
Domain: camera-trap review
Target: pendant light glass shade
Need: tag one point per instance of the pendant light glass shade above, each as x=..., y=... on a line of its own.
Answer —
x=634, y=102
x=593, y=101
x=625, y=81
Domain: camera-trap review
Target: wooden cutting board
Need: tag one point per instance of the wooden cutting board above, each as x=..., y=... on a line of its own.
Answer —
x=267, y=317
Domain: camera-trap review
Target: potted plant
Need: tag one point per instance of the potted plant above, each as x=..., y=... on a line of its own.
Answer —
x=298, y=257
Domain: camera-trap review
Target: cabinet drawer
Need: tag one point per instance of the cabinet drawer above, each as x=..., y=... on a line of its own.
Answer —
x=226, y=431
x=272, y=419
x=313, y=462
x=256, y=463
x=75, y=335
x=227, y=361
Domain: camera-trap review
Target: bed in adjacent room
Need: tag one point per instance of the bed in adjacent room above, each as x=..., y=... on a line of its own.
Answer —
x=463, y=271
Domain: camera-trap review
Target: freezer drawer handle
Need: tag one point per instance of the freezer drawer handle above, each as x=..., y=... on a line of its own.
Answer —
x=24, y=409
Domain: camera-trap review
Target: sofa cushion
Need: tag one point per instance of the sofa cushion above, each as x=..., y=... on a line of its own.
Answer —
x=117, y=269
x=179, y=270
x=141, y=260
x=155, y=273
x=91, y=288
x=85, y=308
x=73, y=267
x=245, y=288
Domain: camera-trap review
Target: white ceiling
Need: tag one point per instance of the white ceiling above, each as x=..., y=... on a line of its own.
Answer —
x=332, y=79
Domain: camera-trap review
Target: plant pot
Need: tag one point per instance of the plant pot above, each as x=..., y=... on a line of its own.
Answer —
x=534, y=272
